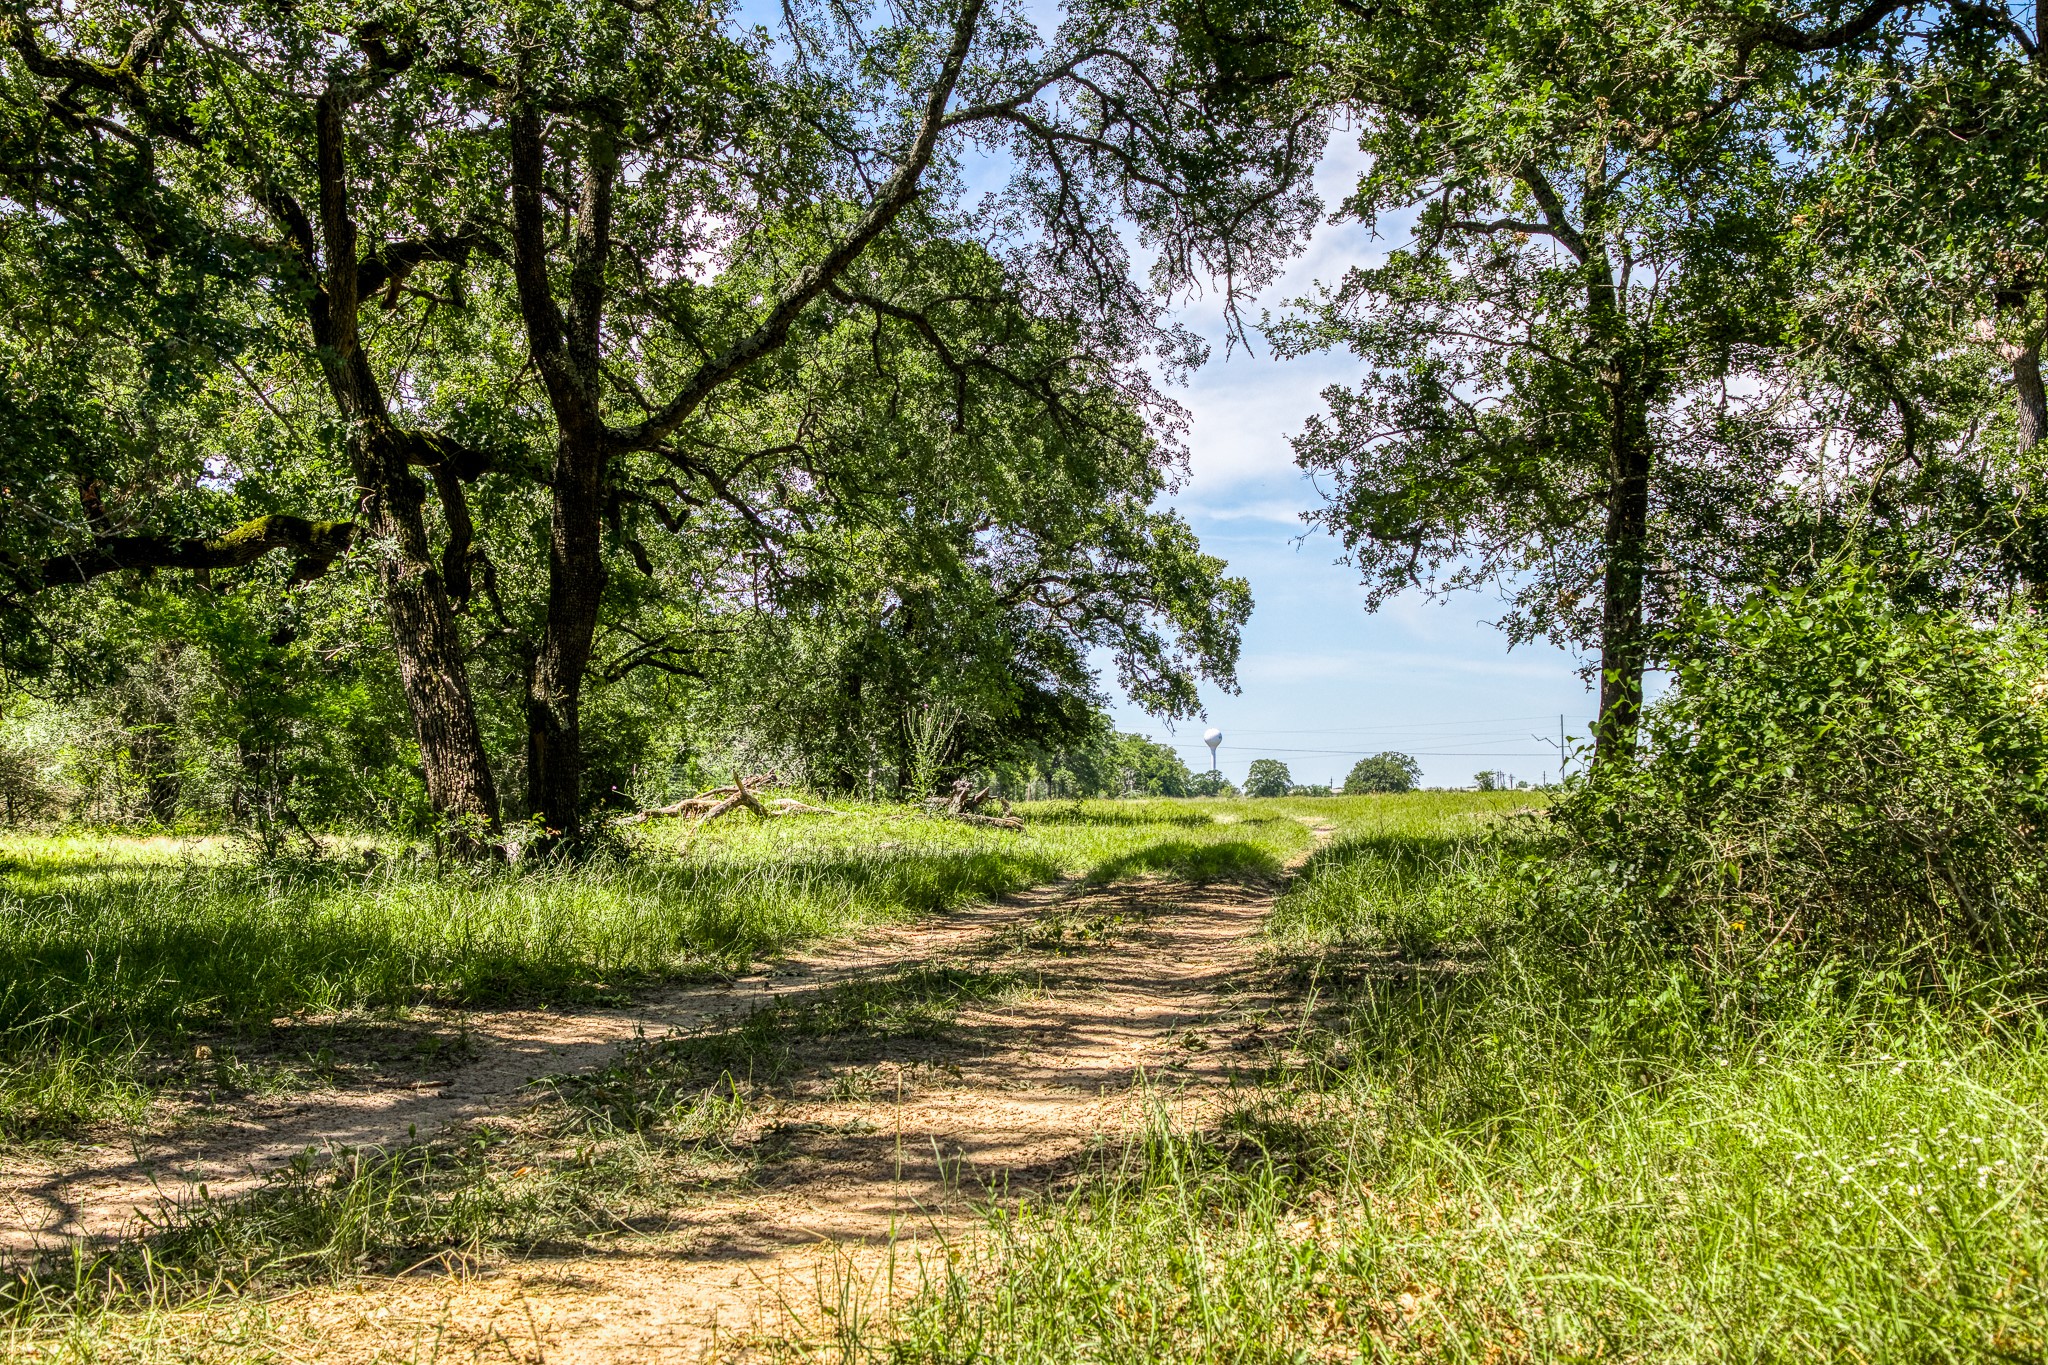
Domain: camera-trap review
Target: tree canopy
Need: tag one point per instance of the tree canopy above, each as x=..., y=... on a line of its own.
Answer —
x=1382, y=772
x=1677, y=298
x=1268, y=777
x=605, y=335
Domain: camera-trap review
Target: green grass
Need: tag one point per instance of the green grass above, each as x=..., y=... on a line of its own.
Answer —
x=1411, y=871
x=1504, y=1131
x=1505, y=1137
x=604, y=1155
x=114, y=953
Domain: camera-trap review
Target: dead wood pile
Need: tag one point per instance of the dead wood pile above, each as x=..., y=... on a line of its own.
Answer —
x=742, y=794
x=965, y=801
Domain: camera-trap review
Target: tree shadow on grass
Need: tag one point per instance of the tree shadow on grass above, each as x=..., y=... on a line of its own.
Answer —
x=153, y=958
x=656, y=1079
x=154, y=954
x=616, y=1148
x=1106, y=814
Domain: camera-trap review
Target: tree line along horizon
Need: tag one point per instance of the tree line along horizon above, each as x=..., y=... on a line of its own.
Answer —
x=427, y=417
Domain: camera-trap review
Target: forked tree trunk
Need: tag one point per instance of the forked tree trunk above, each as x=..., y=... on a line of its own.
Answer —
x=424, y=636
x=565, y=346
x=566, y=350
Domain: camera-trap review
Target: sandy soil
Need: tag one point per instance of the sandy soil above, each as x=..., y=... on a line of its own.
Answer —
x=1149, y=1009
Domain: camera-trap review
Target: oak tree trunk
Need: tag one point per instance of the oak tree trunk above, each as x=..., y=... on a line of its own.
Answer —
x=2031, y=408
x=1624, y=379
x=554, y=689
x=431, y=668
x=566, y=349
x=2029, y=396
x=1624, y=647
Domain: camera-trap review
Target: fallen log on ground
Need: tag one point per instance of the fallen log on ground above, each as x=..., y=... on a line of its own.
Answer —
x=741, y=793
x=964, y=802
x=789, y=805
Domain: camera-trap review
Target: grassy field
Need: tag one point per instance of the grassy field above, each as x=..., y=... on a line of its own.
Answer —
x=116, y=953
x=1501, y=1131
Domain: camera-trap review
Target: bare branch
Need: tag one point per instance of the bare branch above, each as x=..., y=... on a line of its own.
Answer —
x=894, y=196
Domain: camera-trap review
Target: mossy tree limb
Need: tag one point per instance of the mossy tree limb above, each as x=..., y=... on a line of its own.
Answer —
x=316, y=543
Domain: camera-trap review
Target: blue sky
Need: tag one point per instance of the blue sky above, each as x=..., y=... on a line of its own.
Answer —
x=1323, y=682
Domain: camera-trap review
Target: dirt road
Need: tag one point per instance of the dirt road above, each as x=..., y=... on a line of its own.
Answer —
x=1123, y=1000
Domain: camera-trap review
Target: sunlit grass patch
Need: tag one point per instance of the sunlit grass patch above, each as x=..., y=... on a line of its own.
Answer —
x=1796, y=1211
x=112, y=948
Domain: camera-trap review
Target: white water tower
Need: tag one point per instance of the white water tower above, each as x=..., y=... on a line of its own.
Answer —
x=1212, y=737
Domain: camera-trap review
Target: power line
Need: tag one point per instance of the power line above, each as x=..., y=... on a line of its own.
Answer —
x=1399, y=726
x=1417, y=753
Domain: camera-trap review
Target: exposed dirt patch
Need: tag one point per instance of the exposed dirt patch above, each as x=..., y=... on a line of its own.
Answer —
x=1072, y=1012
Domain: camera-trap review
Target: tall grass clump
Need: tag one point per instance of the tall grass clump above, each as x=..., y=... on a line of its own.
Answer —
x=1414, y=869
x=1471, y=1169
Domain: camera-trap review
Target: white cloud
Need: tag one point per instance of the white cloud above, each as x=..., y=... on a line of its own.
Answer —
x=1379, y=666
x=1279, y=511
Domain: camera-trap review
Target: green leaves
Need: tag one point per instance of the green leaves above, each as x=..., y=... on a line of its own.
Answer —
x=1553, y=366
x=1383, y=772
x=1857, y=776
x=1267, y=777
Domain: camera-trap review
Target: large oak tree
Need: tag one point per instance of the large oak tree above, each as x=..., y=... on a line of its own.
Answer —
x=668, y=194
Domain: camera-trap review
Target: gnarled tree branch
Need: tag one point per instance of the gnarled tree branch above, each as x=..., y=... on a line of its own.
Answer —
x=316, y=543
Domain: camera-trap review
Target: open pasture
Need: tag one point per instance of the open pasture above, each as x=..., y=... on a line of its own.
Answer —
x=1378, y=1098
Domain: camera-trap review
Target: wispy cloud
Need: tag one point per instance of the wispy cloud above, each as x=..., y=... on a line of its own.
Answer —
x=1280, y=512
x=1376, y=665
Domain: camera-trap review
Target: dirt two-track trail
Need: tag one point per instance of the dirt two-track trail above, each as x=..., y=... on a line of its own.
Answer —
x=1142, y=999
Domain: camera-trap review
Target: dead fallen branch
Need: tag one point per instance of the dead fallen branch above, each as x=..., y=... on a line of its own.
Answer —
x=990, y=821
x=741, y=794
x=964, y=802
x=787, y=805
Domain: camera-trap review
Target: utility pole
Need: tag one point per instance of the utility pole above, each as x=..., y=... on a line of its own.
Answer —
x=1562, y=751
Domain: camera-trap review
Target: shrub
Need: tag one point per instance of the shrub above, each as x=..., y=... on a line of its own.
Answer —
x=1833, y=773
x=27, y=797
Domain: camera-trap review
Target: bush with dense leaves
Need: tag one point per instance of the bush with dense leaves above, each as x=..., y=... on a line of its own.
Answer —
x=1832, y=773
